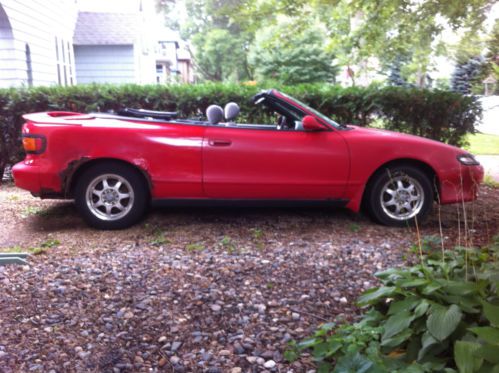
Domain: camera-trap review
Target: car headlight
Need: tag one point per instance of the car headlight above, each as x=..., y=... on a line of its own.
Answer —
x=468, y=160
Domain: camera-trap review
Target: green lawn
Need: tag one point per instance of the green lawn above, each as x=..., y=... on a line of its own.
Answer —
x=482, y=144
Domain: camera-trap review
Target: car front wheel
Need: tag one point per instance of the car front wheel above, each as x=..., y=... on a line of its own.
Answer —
x=399, y=196
x=111, y=196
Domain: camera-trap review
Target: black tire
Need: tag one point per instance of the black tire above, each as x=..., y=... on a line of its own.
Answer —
x=123, y=211
x=390, y=204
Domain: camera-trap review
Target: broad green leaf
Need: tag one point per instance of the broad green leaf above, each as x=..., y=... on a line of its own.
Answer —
x=488, y=334
x=468, y=303
x=333, y=346
x=434, y=364
x=321, y=350
x=291, y=355
x=427, y=340
x=465, y=356
x=324, y=367
x=458, y=287
x=396, y=323
x=412, y=283
x=490, y=353
x=353, y=364
x=403, y=305
x=491, y=313
x=372, y=295
x=431, y=288
x=387, y=273
x=443, y=321
x=307, y=343
x=397, y=339
x=421, y=308
x=414, y=368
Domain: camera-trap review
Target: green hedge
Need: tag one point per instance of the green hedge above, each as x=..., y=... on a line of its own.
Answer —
x=440, y=115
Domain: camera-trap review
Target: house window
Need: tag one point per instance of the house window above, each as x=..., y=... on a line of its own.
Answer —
x=70, y=65
x=162, y=72
x=64, y=63
x=58, y=61
x=65, y=74
x=29, y=68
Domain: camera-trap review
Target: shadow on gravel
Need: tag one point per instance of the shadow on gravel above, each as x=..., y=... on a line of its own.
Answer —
x=58, y=217
x=63, y=216
x=253, y=215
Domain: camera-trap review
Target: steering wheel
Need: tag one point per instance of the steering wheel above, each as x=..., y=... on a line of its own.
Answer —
x=282, y=123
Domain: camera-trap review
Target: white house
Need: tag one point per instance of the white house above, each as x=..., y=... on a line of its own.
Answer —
x=65, y=42
x=36, y=42
x=110, y=48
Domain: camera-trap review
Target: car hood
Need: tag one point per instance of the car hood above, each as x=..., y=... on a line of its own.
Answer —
x=377, y=134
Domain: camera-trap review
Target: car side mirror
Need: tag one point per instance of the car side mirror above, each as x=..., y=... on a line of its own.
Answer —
x=310, y=123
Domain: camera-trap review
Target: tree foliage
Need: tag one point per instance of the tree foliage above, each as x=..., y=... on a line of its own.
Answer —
x=467, y=74
x=353, y=31
x=289, y=55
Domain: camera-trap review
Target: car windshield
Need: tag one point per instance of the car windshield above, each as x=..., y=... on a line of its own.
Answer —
x=313, y=111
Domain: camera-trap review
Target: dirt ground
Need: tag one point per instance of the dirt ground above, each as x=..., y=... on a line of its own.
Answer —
x=194, y=289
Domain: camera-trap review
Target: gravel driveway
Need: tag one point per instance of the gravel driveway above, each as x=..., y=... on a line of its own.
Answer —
x=191, y=290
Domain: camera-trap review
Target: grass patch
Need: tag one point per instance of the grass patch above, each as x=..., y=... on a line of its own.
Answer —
x=13, y=249
x=228, y=244
x=159, y=239
x=483, y=144
x=50, y=243
x=192, y=247
x=30, y=211
x=354, y=227
x=37, y=250
x=489, y=181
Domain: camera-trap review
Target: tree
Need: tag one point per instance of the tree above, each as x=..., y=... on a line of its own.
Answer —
x=220, y=46
x=493, y=52
x=465, y=74
x=218, y=55
x=354, y=30
x=289, y=55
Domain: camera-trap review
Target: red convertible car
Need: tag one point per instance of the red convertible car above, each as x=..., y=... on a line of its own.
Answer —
x=114, y=165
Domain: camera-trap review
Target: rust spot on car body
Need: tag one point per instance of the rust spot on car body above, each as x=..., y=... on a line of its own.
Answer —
x=67, y=174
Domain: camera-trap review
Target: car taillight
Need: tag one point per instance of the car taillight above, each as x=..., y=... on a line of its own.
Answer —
x=34, y=144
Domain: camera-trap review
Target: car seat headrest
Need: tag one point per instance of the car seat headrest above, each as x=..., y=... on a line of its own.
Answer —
x=231, y=111
x=215, y=114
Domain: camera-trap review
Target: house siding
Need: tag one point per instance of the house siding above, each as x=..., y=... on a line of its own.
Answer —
x=105, y=63
x=54, y=19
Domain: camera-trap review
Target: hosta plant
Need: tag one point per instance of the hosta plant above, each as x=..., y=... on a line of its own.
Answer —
x=440, y=315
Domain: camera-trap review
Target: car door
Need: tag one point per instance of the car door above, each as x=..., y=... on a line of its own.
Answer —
x=260, y=163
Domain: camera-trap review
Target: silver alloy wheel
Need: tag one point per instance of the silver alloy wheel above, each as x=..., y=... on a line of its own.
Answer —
x=109, y=197
x=402, y=197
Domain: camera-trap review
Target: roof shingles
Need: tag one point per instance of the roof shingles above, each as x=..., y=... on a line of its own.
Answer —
x=106, y=29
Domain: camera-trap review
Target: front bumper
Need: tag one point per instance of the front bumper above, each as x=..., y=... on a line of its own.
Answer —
x=461, y=186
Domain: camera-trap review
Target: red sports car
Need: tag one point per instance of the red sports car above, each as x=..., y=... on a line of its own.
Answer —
x=114, y=165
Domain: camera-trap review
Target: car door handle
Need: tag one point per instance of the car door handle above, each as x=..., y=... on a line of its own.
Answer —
x=219, y=142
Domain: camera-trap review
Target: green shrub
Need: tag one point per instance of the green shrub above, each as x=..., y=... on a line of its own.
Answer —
x=441, y=315
x=440, y=115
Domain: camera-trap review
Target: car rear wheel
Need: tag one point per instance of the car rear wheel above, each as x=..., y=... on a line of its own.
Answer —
x=398, y=196
x=111, y=195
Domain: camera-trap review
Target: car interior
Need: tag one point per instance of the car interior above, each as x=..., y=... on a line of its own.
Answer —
x=286, y=117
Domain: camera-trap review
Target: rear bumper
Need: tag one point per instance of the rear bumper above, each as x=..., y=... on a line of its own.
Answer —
x=27, y=176
x=37, y=179
x=462, y=186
